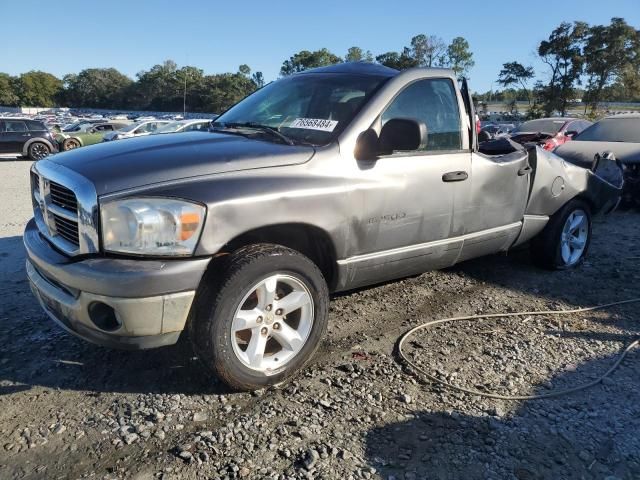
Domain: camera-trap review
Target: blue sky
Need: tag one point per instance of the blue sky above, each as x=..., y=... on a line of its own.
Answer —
x=67, y=36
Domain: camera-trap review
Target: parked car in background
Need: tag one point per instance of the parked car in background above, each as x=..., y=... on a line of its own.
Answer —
x=29, y=138
x=69, y=141
x=493, y=130
x=549, y=132
x=619, y=134
x=82, y=125
x=178, y=126
x=135, y=130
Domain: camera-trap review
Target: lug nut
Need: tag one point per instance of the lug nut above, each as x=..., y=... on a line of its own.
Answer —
x=279, y=311
x=269, y=307
x=276, y=326
x=264, y=330
x=259, y=320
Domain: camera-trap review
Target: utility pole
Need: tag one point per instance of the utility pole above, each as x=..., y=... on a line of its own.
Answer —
x=184, y=97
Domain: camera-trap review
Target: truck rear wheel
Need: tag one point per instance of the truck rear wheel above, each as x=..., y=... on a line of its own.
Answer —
x=261, y=320
x=565, y=240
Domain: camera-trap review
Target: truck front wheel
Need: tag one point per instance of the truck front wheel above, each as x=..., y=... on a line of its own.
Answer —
x=261, y=320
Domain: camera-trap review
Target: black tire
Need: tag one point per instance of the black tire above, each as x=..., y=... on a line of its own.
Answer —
x=546, y=248
x=220, y=295
x=71, y=144
x=38, y=151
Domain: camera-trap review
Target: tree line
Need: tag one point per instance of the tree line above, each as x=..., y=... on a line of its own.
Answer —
x=163, y=86
x=592, y=62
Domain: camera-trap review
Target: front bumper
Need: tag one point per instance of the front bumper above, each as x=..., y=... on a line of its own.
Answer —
x=150, y=299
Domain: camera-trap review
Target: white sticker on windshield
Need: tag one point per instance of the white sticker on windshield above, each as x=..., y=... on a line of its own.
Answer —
x=314, y=124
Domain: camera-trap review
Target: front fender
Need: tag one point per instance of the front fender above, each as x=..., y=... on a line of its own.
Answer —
x=240, y=202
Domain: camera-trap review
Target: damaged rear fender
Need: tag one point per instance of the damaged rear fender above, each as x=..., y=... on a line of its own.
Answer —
x=555, y=182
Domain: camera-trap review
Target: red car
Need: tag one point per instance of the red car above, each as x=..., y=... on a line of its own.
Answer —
x=549, y=132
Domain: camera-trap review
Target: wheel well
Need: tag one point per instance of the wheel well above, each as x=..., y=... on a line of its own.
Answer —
x=309, y=240
x=586, y=199
x=27, y=145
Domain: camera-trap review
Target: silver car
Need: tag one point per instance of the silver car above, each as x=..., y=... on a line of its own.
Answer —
x=138, y=129
x=323, y=181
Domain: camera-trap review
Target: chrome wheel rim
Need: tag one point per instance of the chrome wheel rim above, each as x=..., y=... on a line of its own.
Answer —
x=272, y=323
x=574, y=237
x=39, y=151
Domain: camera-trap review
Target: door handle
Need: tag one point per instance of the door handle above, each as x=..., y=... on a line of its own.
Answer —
x=458, y=176
x=525, y=170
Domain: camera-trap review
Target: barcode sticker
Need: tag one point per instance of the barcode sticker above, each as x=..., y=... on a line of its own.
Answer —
x=314, y=124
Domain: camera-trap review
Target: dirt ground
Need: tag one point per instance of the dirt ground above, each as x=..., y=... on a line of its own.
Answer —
x=69, y=409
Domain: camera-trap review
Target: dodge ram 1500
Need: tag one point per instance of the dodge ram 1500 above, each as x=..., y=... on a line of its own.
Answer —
x=323, y=181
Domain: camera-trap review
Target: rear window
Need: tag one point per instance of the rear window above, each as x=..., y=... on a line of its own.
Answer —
x=15, y=126
x=612, y=130
x=36, y=126
x=543, y=125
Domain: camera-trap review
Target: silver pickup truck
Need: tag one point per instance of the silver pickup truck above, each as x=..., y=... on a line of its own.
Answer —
x=320, y=182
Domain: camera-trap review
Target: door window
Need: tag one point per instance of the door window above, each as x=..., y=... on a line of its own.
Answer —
x=15, y=126
x=433, y=102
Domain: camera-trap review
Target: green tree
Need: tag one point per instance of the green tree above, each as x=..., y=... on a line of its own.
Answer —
x=221, y=91
x=356, y=54
x=96, y=88
x=305, y=60
x=156, y=87
x=609, y=51
x=399, y=61
x=427, y=50
x=8, y=94
x=514, y=73
x=459, y=57
x=562, y=53
x=38, y=89
x=258, y=79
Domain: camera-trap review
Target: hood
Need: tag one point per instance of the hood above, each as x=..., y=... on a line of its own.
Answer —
x=582, y=153
x=140, y=161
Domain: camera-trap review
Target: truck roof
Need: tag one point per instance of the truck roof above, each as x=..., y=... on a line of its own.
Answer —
x=360, y=68
x=367, y=68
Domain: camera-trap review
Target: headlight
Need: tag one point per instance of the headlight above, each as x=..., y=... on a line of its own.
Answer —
x=151, y=226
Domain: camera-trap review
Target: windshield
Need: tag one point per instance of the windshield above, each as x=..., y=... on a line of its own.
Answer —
x=74, y=127
x=308, y=108
x=543, y=125
x=612, y=130
x=170, y=127
x=130, y=128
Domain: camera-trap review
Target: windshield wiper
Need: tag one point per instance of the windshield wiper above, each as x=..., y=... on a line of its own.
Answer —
x=274, y=132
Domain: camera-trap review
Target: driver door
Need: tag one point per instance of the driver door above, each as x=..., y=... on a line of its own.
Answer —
x=408, y=222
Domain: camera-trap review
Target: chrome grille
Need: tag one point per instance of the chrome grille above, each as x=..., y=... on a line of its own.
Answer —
x=63, y=197
x=35, y=184
x=65, y=208
x=67, y=229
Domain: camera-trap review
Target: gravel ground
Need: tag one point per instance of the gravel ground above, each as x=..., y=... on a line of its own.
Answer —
x=72, y=410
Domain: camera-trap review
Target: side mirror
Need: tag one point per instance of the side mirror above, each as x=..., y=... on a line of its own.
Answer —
x=403, y=134
x=367, y=145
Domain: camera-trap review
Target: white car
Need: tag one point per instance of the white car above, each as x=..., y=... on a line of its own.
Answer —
x=135, y=130
x=178, y=126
